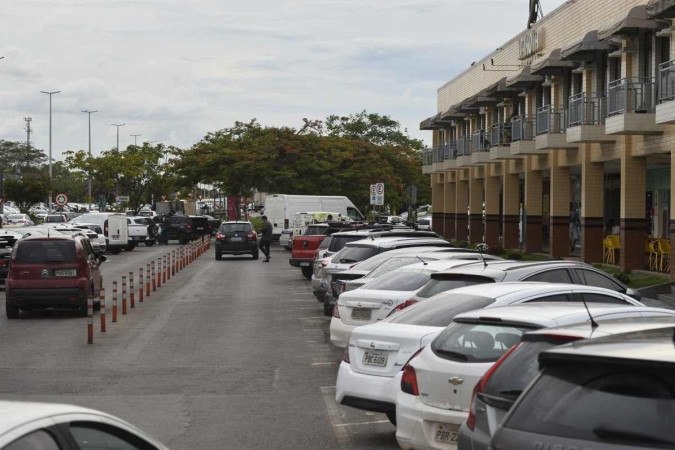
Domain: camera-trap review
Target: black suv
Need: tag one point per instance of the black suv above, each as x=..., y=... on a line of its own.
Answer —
x=236, y=238
x=186, y=228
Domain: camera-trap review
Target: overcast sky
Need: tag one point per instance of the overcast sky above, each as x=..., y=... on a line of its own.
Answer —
x=173, y=70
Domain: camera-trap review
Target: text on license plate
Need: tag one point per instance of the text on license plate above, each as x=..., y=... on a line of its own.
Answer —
x=65, y=272
x=446, y=433
x=304, y=264
x=361, y=313
x=375, y=358
x=237, y=239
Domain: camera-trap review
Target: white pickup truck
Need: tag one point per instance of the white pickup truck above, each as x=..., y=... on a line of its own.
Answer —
x=141, y=230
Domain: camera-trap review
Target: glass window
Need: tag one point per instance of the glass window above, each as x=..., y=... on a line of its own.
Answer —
x=611, y=404
x=96, y=436
x=46, y=251
x=551, y=298
x=354, y=254
x=439, y=311
x=398, y=281
x=592, y=297
x=391, y=264
x=235, y=227
x=441, y=284
x=593, y=278
x=37, y=440
x=338, y=242
x=476, y=342
x=354, y=214
x=551, y=276
x=325, y=243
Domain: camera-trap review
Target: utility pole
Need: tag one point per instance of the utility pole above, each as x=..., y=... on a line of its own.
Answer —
x=118, y=125
x=89, y=113
x=135, y=137
x=50, y=93
x=28, y=132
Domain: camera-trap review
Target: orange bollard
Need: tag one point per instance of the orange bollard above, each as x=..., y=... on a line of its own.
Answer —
x=147, y=282
x=140, y=282
x=124, y=295
x=164, y=269
x=159, y=272
x=169, y=266
x=101, y=300
x=132, y=290
x=114, y=302
x=154, y=285
x=174, y=268
x=90, y=319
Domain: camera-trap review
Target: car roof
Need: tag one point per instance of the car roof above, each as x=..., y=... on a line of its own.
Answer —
x=650, y=347
x=496, y=268
x=497, y=290
x=391, y=241
x=604, y=328
x=235, y=221
x=16, y=413
x=61, y=237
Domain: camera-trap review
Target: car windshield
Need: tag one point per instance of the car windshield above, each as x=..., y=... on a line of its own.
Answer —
x=325, y=243
x=392, y=264
x=399, y=281
x=338, y=242
x=15, y=217
x=476, y=342
x=235, y=227
x=54, y=219
x=354, y=254
x=439, y=311
x=45, y=251
x=438, y=285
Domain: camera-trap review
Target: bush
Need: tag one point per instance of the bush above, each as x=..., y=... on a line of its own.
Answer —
x=496, y=251
x=622, y=277
x=514, y=255
x=257, y=223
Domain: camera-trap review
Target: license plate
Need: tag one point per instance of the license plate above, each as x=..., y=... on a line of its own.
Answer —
x=361, y=313
x=115, y=236
x=135, y=238
x=304, y=264
x=65, y=272
x=237, y=239
x=375, y=358
x=446, y=433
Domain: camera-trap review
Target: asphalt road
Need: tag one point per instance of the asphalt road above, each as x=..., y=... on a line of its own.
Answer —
x=226, y=354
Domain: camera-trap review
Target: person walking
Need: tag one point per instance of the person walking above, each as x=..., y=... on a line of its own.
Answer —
x=266, y=238
x=575, y=224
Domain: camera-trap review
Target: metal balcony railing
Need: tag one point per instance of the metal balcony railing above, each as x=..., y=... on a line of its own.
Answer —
x=522, y=128
x=427, y=156
x=550, y=120
x=500, y=134
x=629, y=95
x=667, y=81
x=480, y=141
x=464, y=146
x=586, y=110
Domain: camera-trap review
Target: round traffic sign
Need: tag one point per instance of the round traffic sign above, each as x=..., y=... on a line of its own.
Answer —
x=61, y=199
x=380, y=188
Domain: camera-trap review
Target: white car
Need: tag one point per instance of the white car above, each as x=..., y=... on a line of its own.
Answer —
x=21, y=220
x=436, y=383
x=380, y=297
x=100, y=237
x=367, y=375
x=32, y=425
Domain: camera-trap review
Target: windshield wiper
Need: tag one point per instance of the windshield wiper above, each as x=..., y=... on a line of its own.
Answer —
x=456, y=355
x=623, y=436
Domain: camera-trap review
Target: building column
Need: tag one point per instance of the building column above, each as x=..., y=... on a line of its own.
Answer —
x=462, y=204
x=511, y=199
x=450, y=208
x=533, y=209
x=560, y=207
x=592, y=206
x=492, y=185
x=437, y=202
x=633, y=188
x=476, y=192
x=672, y=211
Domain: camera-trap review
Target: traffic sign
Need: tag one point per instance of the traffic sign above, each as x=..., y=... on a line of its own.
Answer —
x=377, y=194
x=61, y=199
x=122, y=199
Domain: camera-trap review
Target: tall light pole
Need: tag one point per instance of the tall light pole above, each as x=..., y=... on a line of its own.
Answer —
x=135, y=137
x=118, y=125
x=50, y=93
x=89, y=113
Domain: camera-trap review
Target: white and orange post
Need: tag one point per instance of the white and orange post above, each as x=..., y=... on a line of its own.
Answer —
x=132, y=291
x=124, y=295
x=90, y=318
x=114, y=302
x=101, y=300
x=140, y=284
x=154, y=281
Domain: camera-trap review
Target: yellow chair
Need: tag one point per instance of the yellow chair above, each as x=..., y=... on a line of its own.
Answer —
x=612, y=244
x=663, y=254
x=652, y=254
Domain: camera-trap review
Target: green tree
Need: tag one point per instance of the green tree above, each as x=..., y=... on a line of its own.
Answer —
x=31, y=188
x=16, y=156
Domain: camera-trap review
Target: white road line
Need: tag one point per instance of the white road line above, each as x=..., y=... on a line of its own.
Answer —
x=275, y=379
x=359, y=423
x=313, y=318
x=335, y=417
x=323, y=364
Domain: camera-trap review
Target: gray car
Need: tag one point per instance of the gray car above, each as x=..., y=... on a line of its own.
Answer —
x=615, y=392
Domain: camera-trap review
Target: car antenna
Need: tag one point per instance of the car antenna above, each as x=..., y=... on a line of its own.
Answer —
x=594, y=324
x=481, y=249
x=423, y=261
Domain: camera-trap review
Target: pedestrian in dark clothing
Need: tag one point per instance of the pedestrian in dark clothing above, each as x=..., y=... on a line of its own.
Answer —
x=266, y=238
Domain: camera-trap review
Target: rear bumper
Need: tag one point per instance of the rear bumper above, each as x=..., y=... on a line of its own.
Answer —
x=236, y=247
x=300, y=262
x=340, y=332
x=48, y=297
x=416, y=423
x=362, y=391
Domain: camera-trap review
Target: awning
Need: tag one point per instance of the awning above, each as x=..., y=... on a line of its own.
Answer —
x=453, y=114
x=553, y=65
x=525, y=79
x=486, y=97
x=435, y=123
x=588, y=48
x=661, y=9
x=503, y=91
x=468, y=105
x=635, y=21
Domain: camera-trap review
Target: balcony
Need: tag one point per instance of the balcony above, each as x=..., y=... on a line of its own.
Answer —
x=631, y=107
x=464, y=144
x=665, y=110
x=551, y=125
x=586, y=119
x=480, y=147
x=500, y=141
x=522, y=136
x=427, y=161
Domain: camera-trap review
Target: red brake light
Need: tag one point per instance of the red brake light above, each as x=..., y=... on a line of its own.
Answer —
x=480, y=387
x=403, y=305
x=220, y=236
x=409, y=381
x=336, y=311
x=251, y=236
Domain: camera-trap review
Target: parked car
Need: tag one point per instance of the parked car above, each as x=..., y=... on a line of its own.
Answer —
x=186, y=228
x=52, y=272
x=424, y=223
x=214, y=224
x=378, y=351
x=55, y=218
x=236, y=238
x=496, y=392
x=613, y=392
x=21, y=220
x=70, y=230
x=100, y=237
x=141, y=230
x=286, y=239
x=114, y=226
x=46, y=426
x=6, y=244
x=436, y=384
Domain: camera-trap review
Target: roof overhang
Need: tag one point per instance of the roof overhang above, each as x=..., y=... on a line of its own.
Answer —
x=453, y=114
x=503, y=91
x=525, y=79
x=436, y=122
x=553, y=65
x=661, y=9
x=468, y=105
x=636, y=20
x=588, y=49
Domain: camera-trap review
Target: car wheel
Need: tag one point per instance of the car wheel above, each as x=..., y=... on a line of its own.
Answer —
x=219, y=256
x=307, y=272
x=130, y=247
x=149, y=243
x=391, y=415
x=11, y=311
x=327, y=308
x=256, y=255
x=116, y=251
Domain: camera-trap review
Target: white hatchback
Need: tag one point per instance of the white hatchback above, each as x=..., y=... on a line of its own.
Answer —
x=437, y=382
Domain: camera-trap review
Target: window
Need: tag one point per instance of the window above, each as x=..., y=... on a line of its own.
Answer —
x=593, y=278
x=439, y=311
x=441, y=284
x=354, y=214
x=551, y=298
x=398, y=281
x=592, y=297
x=355, y=254
x=235, y=228
x=392, y=264
x=37, y=440
x=89, y=435
x=551, y=276
x=46, y=251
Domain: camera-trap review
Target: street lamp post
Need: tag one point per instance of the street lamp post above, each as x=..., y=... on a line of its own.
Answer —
x=89, y=113
x=118, y=125
x=135, y=137
x=50, y=93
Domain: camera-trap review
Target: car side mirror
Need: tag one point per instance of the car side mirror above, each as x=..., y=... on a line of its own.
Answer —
x=102, y=258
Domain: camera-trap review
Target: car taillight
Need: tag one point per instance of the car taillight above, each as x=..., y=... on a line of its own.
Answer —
x=480, y=387
x=324, y=263
x=409, y=378
x=220, y=236
x=336, y=311
x=345, y=355
x=189, y=226
x=403, y=305
x=3, y=263
x=250, y=237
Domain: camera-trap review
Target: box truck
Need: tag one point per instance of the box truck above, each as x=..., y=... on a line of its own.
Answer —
x=280, y=208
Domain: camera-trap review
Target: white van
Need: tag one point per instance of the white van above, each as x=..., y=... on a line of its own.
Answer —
x=114, y=225
x=302, y=219
x=280, y=208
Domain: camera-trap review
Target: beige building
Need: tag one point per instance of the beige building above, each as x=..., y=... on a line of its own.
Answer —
x=571, y=118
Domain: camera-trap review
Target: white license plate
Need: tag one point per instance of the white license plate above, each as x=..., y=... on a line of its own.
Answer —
x=115, y=236
x=446, y=433
x=304, y=264
x=375, y=358
x=135, y=238
x=237, y=239
x=65, y=272
x=361, y=313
